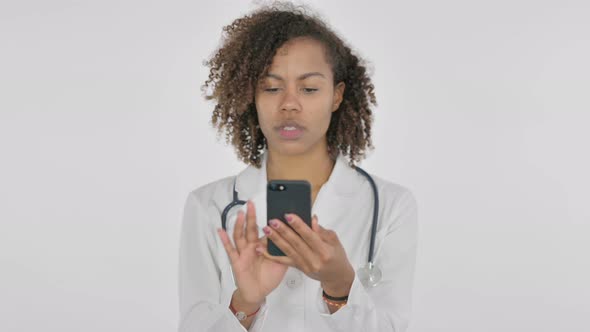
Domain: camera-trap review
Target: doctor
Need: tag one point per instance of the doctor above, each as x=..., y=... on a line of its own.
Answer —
x=309, y=119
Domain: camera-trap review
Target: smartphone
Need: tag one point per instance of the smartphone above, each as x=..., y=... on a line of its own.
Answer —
x=287, y=196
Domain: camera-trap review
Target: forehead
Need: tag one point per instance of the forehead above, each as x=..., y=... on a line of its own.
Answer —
x=298, y=56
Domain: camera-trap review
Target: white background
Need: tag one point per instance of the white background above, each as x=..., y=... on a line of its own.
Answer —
x=483, y=113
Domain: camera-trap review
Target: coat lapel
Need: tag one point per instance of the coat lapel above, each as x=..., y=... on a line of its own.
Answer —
x=335, y=196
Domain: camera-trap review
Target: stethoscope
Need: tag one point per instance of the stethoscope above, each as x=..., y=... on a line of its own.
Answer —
x=370, y=274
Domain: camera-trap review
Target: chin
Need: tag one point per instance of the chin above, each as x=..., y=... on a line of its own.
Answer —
x=290, y=148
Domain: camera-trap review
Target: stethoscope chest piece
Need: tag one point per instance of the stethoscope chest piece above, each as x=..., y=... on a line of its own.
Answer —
x=369, y=275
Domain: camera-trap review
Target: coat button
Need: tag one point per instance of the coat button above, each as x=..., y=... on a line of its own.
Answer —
x=294, y=280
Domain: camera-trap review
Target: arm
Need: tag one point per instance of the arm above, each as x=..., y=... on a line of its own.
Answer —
x=203, y=305
x=387, y=306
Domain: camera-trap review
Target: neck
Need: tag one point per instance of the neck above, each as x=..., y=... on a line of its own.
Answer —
x=313, y=167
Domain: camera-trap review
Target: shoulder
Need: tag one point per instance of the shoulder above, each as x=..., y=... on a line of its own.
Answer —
x=397, y=202
x=392, y=191
x=390, y=194
x=212, y=196
x=204, y=204
x=209, y=191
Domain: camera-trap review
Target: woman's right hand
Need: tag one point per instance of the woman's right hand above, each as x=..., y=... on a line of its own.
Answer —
x=255, y=275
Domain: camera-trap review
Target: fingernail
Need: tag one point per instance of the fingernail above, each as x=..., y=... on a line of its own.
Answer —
x=259, y=250
x=289, y=218
x=274, y=223
x=266, y=230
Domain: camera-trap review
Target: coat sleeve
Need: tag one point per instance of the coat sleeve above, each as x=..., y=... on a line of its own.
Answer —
x=203, y=305
x=387, y=306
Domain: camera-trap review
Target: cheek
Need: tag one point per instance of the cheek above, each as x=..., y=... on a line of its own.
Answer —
x=260, y=107
x=326, y=122
x=326, y=116
x=264, y=118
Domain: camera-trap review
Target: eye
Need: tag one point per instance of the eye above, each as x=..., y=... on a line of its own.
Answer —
x=309, y=90
x=271, y=90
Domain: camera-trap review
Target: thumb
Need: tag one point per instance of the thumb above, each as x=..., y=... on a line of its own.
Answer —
x=261, y=247
x=315, y=226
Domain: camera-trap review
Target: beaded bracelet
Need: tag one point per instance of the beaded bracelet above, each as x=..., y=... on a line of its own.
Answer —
x=335, y=304
x=333, y=298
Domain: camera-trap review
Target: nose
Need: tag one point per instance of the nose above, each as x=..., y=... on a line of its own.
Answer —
x=290, y=101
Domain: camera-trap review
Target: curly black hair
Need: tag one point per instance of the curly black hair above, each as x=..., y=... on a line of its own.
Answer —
x=248, y=46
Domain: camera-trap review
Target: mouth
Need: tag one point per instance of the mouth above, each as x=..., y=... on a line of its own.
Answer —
x=290, y=130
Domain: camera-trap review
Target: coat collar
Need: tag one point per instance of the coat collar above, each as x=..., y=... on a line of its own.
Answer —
x=344, y=180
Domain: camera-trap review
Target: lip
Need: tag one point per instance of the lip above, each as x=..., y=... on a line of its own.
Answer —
x=290, y=134
x=290, y=123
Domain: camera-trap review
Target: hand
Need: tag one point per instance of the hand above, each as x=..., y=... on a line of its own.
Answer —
x=315, y=251
x=255, y=275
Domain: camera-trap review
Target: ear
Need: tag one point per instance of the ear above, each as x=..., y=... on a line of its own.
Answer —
x=338, y=95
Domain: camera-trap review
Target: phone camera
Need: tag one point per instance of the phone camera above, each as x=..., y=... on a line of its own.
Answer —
x=276, y=187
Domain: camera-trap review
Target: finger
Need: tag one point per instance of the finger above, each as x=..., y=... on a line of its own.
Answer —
x=296, y=248
x=285, y=260
x=229, y=248
x=311, y=238
x=251, y=227
x=262, y=242
x=290, y=237
x=239, y=238
x=262, y=245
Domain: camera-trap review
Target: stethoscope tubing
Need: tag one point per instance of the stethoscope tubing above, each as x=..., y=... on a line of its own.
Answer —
x=374, y=222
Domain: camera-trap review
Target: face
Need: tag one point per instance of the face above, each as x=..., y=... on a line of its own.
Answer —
x=296, y=99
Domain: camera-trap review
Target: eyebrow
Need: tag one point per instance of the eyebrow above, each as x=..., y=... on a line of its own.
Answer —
x=300, y=78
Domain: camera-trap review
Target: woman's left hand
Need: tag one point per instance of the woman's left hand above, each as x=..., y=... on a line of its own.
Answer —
x=315, y=251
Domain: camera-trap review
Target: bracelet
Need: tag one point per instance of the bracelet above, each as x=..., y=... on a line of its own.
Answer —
x=333, y=298
x=335, y=304
x=240, y=314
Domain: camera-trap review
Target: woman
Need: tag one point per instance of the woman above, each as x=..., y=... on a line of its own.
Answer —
x=294, y=102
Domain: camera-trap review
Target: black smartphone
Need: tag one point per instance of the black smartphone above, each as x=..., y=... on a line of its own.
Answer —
x=287, y=196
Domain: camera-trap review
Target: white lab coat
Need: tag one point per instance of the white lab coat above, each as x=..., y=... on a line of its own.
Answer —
x=345, y=205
